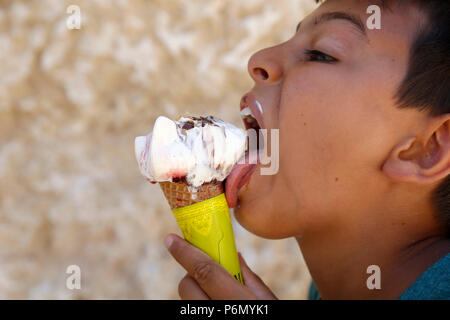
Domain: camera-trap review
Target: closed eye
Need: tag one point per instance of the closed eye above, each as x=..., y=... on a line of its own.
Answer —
x=317, y=56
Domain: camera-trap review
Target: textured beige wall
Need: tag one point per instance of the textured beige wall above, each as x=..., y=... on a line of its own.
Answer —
x=71, y=103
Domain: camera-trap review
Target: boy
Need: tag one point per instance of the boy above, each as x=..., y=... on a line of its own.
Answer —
x=364, y=149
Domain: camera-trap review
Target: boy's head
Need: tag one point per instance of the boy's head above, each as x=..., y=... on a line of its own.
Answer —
x=364, y=120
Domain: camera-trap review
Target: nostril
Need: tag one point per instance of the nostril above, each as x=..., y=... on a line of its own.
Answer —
x=260, y=73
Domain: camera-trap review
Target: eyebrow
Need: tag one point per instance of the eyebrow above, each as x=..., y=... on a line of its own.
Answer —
x=328, y=16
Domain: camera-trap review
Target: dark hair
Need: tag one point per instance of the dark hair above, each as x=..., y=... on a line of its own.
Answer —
x=426, y=85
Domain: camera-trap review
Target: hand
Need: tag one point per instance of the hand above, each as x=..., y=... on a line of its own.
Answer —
x=206, y=279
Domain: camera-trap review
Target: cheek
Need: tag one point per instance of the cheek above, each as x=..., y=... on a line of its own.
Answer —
x=328, y=140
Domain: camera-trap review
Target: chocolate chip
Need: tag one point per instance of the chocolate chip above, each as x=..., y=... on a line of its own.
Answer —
x=208, y=120
x=187, y=125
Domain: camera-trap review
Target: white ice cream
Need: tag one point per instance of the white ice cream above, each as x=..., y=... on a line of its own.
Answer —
x=204, y=150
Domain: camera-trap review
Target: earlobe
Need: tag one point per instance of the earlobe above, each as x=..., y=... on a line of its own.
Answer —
x=421, y=160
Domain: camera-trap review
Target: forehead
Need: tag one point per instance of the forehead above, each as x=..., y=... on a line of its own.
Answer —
x=399, y=23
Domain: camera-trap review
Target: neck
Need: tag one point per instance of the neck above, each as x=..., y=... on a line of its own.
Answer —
x=338, y=259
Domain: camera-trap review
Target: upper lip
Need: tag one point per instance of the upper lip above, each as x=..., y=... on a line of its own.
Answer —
x=249, y=100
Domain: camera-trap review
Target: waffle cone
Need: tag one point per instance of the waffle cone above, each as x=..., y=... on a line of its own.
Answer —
x=179, y=194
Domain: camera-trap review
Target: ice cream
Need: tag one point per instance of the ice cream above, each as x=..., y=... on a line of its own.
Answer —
x=190, y=158
x=199, y=149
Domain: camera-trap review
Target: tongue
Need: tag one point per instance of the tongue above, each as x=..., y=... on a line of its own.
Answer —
x=237, y=179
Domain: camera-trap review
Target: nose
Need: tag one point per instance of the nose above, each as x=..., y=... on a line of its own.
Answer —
x=264, y=66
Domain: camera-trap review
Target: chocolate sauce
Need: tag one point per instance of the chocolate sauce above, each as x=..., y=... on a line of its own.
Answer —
x=179, y=179
x=203, y=120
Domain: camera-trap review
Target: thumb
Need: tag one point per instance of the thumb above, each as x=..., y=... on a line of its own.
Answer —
x=254, y=282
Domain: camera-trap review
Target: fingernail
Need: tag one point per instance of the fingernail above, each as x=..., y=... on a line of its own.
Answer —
x=168, y=241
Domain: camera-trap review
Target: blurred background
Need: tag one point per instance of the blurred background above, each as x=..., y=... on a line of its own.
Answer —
x=71, y=103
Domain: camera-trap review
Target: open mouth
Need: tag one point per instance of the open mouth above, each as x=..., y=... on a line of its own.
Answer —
x=251, y=114
x=249, y=119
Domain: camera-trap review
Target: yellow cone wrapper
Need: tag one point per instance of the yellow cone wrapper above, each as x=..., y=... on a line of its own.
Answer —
x=204, y=219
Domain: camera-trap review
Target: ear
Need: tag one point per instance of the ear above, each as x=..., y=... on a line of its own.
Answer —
x=424, y=159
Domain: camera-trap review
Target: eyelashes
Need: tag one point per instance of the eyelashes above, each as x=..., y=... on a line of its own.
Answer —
x=318, y=56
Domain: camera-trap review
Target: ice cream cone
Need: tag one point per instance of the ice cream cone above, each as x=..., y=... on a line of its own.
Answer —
x=180, y=194
x=188, y=152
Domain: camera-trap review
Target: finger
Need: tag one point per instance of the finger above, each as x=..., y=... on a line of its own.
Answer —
x=254, y=282
x=214, y=280
x=188, y=289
